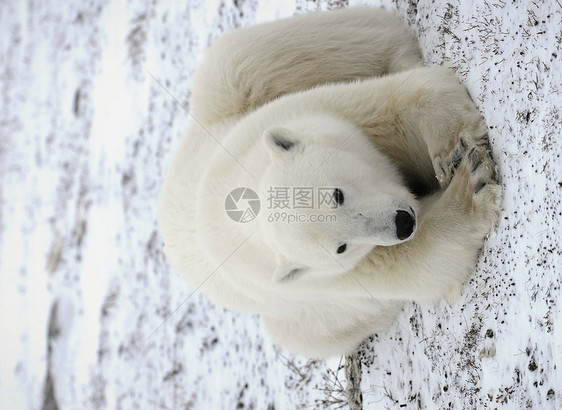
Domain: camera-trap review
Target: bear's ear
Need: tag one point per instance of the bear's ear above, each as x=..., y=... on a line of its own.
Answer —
x=280, y=140
x=286, y=271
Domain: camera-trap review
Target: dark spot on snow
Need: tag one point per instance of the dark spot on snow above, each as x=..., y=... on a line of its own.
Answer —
x=489, y=333
x=53, y=332
x=109, y=302
x=49, y=399
x=414, y=324
x=185, y=324
x=178, y=368
x=532, y=366
x=152, y=247
x=127, y=177
x=517, y=375
x=54, y=257
x=54, y=325
x=136, y=41
x=76, y=103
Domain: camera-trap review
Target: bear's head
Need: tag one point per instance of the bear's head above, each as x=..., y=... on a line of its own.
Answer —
x=331, y=197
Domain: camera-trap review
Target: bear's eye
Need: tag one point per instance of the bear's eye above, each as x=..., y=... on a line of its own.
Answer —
x=342, y=248
x=338, y=196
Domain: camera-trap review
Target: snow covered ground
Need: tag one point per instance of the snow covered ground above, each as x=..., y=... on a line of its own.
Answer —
x=93, y=99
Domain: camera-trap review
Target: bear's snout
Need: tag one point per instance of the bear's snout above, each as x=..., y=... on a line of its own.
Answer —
x=405, y=224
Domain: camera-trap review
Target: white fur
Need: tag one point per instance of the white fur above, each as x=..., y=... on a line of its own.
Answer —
x=332, y=85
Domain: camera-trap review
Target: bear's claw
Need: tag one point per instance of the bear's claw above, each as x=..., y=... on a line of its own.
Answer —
x=478, y=149
x=481, y=167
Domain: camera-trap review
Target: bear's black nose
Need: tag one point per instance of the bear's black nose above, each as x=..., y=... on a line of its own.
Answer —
x=405, y=224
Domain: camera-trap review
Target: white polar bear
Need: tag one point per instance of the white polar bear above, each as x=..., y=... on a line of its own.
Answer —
x=336, y=103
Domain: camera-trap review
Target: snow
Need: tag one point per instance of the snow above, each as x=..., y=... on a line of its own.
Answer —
x=92, y=314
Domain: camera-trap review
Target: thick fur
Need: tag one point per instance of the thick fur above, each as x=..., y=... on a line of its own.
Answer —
x=331, y=99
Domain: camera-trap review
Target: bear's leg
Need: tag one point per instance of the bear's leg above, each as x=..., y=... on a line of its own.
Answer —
x=423, y=119
x=330, y=329
x=251, y=66
x=443, y=252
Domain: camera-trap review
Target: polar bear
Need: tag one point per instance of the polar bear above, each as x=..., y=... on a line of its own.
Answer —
x=338, y=105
